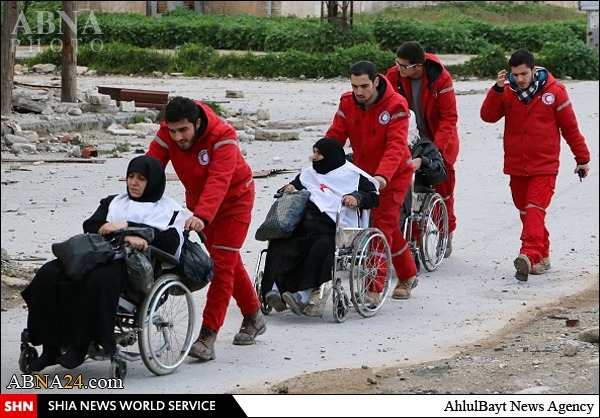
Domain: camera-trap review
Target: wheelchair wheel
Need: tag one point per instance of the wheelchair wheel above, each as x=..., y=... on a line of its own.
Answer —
x=118, y=369
x=434, y=232
x=166, y=325
x=28, y=355
x=371, y=264
x=264, y=306
x=341, y=302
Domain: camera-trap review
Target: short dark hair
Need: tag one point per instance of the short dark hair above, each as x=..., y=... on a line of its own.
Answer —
x=411, y=51
x=364, y=67
x=522, y=56
x=180, y=108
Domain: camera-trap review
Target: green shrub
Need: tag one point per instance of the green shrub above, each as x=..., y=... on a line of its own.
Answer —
x=216, y=107
x=193, y=59
x=121, y=147
x=47, y=56
x=117, y=58
x=485, y=65
x=573, y=59
x=316, y=37
x=470, y=36
x=137, y=118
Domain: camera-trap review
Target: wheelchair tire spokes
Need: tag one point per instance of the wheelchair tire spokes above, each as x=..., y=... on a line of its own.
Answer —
x=167, y=326
x=434, y=235
x=371, y=271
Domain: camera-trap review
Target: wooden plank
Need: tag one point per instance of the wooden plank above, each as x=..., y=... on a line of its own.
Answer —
x=42, y=86
x=113, y=92
x=158, y=106
x=145, y=96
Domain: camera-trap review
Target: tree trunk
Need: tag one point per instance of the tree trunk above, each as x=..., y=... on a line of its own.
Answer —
x=69, y=53
x=7, y=57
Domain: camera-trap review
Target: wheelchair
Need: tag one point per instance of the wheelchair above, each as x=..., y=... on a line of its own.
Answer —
x=363, y=255
x=424, y=223
x=161, y=326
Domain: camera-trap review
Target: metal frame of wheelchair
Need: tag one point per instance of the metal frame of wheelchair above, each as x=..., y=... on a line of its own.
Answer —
x=362, y=252
x=429, y=215
x=162, y=325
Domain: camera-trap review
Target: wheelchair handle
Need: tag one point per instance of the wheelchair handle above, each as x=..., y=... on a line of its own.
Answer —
x=339, y=212
x=163, y=255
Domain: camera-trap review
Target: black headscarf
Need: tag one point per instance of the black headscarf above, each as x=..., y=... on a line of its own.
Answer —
x=150, y=168
x=333, y=155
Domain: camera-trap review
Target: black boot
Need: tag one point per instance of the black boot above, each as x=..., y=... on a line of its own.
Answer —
x=48, y=358
x=74, y=357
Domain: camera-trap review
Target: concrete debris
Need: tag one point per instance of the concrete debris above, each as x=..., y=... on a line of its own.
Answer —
x=234, y=94
x=589, y=335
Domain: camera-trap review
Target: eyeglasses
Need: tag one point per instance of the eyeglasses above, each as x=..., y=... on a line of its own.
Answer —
x=405, y=67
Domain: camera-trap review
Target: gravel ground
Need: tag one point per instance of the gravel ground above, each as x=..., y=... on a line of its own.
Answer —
x=535, y=354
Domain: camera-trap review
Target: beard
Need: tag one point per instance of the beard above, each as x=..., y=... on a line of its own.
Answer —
x=189, y=144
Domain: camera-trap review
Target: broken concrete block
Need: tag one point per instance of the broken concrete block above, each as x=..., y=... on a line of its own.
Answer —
x=234, y=94
x=18, y=148
x=43, y=68
x=99, y=99
x=276, y=135
x=262, y=114
x=21, y=104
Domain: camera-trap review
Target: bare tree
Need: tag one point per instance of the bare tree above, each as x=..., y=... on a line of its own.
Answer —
x=7, y=57
x=68, y=25
x=338, y=11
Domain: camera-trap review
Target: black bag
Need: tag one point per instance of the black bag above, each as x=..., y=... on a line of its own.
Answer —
x=195, y=265
x=83, y=253
x=435, y=171
x=140, y=274
x=284, y=216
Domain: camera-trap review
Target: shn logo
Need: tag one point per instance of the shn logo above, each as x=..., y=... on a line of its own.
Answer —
x=18, y=406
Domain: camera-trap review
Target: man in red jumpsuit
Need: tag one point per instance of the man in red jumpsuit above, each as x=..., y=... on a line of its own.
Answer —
x=375, y=118
x=427, y=86
x=536, y=110
x=219, y=191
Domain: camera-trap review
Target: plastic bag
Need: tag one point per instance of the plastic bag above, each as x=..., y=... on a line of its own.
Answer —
x=83, y=253
x=140, y=274
x=195, y=265
x=435, y=172
x=284, y=216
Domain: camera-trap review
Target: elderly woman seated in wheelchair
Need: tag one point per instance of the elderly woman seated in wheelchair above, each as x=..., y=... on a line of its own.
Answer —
x=296, y=267
x=71, y=315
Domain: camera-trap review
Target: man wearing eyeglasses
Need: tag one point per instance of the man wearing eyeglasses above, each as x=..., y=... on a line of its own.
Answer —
x=427, y=86
x=375, y=119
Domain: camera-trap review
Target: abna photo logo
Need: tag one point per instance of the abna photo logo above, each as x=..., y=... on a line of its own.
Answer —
x=45, y=25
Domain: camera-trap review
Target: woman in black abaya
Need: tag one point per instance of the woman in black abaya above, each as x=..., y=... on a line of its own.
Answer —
x=72, y=314
x=296, y=266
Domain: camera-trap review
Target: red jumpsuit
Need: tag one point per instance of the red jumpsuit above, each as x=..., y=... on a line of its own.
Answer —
x=378, y=136
x=438, y=107
x=219, y=189
x=531, y=153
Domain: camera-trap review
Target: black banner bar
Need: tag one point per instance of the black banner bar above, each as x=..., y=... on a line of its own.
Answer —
x=139, y=405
